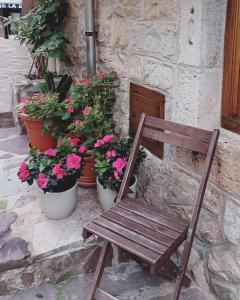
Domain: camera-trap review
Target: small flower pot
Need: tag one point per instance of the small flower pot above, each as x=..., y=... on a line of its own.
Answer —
x=88, y=178
x=58, y=206
x=107, y=197
x=37, y=139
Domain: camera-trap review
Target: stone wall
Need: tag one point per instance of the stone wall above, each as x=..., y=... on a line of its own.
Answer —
x=15, y=62
x=176, y=47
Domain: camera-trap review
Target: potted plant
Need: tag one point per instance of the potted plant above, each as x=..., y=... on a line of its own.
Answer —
x=111, y=157
x=42, y=31
x=56, y=172
x=37, y=112
x=89, y=115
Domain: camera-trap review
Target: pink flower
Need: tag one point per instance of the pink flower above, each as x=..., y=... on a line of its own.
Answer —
x=41, y=96
x=86, y=81
x=58, y=171
x=23, y=173
x=110, y=154
x=50, y=152
x=70, y=109
x=74, y=141
x=73, y=161
x=101, y=74
x=42, y=181
x=23, y=109
x=86, y=111
x=116, y=175
x=68, y=100
x=119, y=164
x=82, y=149
x=107, y=138
x=77, y=122
x=26, y=99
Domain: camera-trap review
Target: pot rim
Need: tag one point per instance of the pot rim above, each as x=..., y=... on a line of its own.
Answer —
x=134, y=175
x=57, y=193
x=24, y=116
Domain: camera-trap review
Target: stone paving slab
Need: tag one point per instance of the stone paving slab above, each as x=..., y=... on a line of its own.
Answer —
x=128, y=281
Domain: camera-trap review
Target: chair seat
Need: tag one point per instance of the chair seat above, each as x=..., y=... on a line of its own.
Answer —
x=143, y=230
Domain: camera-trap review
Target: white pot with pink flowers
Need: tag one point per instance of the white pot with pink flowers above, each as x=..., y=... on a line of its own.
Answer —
x=56, y=172
x=111, y=158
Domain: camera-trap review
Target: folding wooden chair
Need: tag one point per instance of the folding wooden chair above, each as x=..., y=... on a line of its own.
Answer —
x=147, y=232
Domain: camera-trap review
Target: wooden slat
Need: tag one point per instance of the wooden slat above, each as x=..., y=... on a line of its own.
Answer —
x=200, y=134
x=101, y=295
x=152, y=216
x=158, y=211
x=142, y=252
x=138, y=228
x=176, y=140
x=131, y=235
x=148, y=223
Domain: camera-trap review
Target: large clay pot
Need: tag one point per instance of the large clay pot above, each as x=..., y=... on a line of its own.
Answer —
x=88, y=178
x=58, y=206
x=37, y=139
x=107, y=197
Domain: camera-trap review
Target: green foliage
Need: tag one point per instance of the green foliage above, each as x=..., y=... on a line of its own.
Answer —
x=41, y=31
x=88, y=113
x=49, y=86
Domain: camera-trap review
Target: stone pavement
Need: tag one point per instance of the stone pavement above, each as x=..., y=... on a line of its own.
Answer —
x=127, y=281
x=35, y=251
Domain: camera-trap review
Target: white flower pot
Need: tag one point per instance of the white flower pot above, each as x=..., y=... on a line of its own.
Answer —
x=58, y=205
x=106, y=196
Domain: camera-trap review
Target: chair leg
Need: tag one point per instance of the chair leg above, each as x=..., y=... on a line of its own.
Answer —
x=183, y=266
x=99, y=270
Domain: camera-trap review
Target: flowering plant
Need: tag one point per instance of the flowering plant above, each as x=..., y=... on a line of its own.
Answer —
x=45, y=107
x=88, y=112
x=55, y=170
x=112, y=159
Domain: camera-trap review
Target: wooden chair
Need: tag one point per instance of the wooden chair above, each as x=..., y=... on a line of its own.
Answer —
x=148, y=232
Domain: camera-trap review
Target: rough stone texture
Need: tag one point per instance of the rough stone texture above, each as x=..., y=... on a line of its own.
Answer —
x=125, y=281
x=13, y=254
x=15, y=63
x=6, y=219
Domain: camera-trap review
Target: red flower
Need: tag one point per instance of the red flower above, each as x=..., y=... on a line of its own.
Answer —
x=86, y=81
x=119, y=164
x=82, y=149
x=73, y=161
x=23, y=173
x=86, y=111
x=42, y=181
x=68, y=100
x=74, y=141
x=23, y=109
x=70, y=109
x=58, y=171
x=50, y=152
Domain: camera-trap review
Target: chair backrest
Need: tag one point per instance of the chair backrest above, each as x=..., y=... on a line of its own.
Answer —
x=182, y=136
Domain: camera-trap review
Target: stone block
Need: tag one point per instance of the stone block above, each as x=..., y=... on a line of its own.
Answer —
x=13, y=254
x=3, y=288
x=225, y=290
x=158, y=75
x=161, y=9
x=155, y=39
x=224, y=262
x=200, y=275
x=232, y=222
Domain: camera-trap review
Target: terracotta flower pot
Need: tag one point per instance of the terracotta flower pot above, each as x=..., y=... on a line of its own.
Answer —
x=37, y=139
x=88, y=178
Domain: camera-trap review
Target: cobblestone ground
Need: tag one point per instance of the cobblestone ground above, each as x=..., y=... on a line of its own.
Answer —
x=127, y=281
